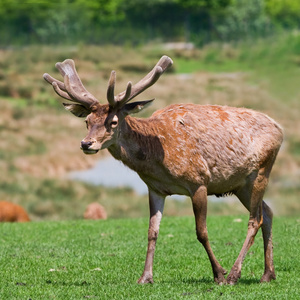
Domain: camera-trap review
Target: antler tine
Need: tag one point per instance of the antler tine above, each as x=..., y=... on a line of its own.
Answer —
x=123, y=97
x=146, y=82
x=164, y=63
x=58, y=86
x=72, y=89
x=111, y=89
x=143, y=84
x=51, y=80
x=60, y=92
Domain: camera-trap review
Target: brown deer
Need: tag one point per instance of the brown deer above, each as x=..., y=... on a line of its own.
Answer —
x=186, y=149
x=95, y=211
x=10, y=212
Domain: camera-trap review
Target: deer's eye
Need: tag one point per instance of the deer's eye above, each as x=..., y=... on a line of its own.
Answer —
x=114, y=122
x=86, y=124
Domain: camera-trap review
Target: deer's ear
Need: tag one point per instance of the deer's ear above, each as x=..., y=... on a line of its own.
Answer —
x=135, y=107
x=77, y=109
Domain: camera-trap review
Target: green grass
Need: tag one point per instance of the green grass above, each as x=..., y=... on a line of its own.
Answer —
x=103, y=260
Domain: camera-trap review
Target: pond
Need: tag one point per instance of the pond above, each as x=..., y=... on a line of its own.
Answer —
x=113, y=173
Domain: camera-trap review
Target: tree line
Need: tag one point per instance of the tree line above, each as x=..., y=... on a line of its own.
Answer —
x=139, y=21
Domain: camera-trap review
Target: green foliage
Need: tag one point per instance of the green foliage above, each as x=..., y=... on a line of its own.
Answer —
x=59, y=23
x=244, y=19
x=137, y=21
x=286, y=13
x=204, y=4
x=103, y=260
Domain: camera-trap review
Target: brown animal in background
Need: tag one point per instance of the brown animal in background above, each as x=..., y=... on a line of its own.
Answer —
x=10, y=212
x=187, y=149
x=95, y=211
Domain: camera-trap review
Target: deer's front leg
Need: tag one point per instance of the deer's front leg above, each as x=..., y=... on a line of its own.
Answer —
x=156, y=204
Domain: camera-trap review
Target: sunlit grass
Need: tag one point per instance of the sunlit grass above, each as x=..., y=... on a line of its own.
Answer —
x=103, y=260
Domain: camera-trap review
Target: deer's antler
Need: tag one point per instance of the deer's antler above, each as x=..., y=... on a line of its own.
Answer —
x=72, y=88
x=143, y=84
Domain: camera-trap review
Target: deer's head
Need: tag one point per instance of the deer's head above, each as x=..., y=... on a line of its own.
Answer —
x=102, y=120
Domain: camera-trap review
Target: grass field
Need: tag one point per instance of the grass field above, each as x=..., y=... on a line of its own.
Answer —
x=103, y=260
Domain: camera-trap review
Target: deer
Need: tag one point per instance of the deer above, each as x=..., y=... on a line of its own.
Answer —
x=185, y=149
x=95, y=211
x=10, y=212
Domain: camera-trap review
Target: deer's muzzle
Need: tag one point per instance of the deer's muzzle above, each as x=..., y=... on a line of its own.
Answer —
x=86, y=147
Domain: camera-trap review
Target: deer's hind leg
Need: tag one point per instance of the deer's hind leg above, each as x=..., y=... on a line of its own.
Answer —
x=199, y=201
x=251, y=195
x=269, y=272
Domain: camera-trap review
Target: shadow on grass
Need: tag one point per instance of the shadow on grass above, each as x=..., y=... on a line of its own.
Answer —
x=185, y=281
x=197, y=280
x=188, y=281
x=210, y=280
x=64, y=283
x=248, y=281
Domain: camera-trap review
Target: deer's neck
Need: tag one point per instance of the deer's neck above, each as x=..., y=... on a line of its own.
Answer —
x=138, y=142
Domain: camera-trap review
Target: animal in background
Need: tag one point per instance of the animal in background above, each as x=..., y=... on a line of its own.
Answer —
x=10, y=212
x=186, y=149
x=95, y=211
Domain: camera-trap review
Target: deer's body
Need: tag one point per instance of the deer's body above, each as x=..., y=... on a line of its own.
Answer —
x=193, y=150
x=184, y=146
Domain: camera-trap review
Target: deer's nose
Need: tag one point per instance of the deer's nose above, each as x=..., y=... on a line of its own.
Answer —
x=86, y=145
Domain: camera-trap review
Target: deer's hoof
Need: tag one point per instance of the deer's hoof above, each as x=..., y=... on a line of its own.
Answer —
x=145, y=279
x=220, y=280
x=233, y=278
x=219, y=277
x=268, y=276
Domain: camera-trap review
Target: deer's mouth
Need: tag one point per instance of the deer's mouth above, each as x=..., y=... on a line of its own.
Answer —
x=89, y=151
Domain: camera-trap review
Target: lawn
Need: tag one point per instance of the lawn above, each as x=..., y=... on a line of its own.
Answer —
x=103, y=260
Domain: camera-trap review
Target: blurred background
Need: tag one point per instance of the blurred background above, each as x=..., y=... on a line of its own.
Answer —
x=227, y=52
